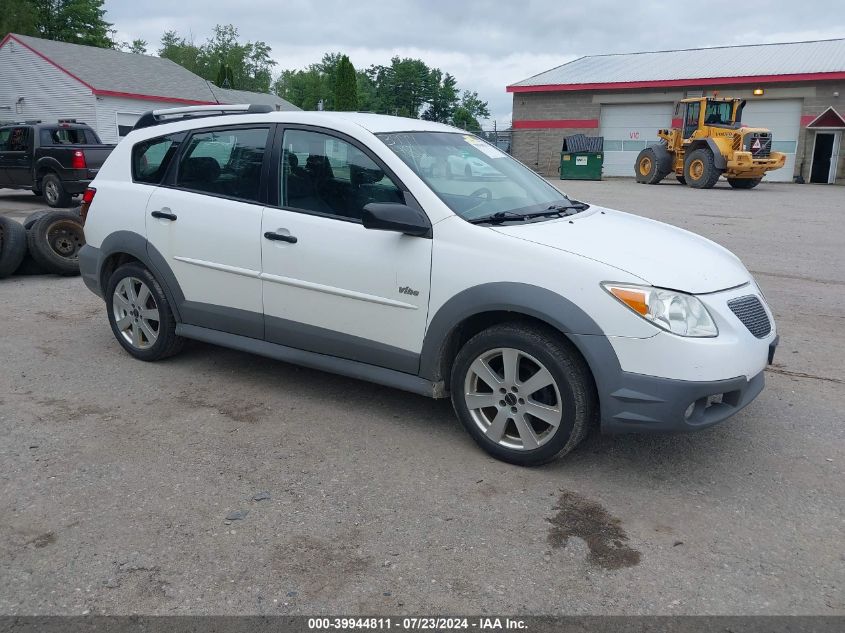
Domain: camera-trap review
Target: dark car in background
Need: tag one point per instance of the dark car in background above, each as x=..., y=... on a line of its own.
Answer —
x=56, y=160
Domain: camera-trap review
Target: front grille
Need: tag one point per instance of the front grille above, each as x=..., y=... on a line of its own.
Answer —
x=760, y=145
x=753, y=315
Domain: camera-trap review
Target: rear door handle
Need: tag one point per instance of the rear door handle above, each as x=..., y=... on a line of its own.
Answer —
x=279, y=237
x=164, y=214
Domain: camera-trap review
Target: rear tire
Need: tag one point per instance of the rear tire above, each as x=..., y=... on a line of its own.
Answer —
x=12, y=246
x=54, y=241
x=744, y=183
x=653, y=164
x=139, y=314
x=523, y=393
x=700, y=169
x=54, y=192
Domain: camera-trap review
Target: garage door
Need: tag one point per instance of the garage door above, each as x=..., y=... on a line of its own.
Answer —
x=783, y=118
x=629, y=128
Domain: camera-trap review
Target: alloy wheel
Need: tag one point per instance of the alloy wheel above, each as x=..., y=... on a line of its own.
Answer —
x=51, y=192
x=513, y=398
x=136, y=313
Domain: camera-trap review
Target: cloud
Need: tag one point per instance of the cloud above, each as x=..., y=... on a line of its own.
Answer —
x=486, y=44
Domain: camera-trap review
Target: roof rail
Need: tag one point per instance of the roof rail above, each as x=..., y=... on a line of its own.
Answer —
x=168, y=115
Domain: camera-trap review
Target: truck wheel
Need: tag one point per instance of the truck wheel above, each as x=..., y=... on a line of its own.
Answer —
x=523, y=393
x=12, y=246
x=54, y=242
x=139, y=315
x=700, y=169
x=54, y=192
x=653, y=165
x=744, y=183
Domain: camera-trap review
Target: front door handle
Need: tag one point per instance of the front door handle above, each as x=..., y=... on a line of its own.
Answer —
x=279, y=237
x=164, y=214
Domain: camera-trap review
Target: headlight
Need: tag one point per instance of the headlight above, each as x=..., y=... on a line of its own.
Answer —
x=673, y=311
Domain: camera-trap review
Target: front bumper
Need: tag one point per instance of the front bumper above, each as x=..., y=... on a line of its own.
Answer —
x=643, y=404
x=745, y=164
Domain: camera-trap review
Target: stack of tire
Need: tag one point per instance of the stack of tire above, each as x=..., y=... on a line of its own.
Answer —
x=47, y=242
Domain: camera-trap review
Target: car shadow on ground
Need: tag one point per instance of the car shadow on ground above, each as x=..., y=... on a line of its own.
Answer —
x=658, y=457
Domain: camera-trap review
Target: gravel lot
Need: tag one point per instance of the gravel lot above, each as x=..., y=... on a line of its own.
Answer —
x=116, y=477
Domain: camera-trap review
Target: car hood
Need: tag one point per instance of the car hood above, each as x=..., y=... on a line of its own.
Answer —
x=658, y=253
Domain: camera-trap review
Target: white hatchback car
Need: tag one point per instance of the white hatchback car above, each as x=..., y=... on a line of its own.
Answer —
x=316, y=238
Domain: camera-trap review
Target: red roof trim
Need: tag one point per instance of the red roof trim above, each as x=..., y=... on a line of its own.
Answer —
x=556, y=123
x=46, y=59
x=668, y=83
x=806, y=119
x=132, y=95
x=106, y=93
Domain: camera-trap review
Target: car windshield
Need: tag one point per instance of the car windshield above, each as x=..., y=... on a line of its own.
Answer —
x=475, y=179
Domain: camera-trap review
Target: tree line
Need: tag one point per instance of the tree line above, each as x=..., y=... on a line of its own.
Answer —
x=404, y=87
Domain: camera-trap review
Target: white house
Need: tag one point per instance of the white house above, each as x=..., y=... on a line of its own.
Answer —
x=105, y=88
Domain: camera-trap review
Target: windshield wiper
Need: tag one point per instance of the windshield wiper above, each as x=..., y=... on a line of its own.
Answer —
x=575, y=206
x=554, y=210
x=498, y=218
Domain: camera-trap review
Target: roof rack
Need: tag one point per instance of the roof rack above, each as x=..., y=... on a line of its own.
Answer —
x=168, y=115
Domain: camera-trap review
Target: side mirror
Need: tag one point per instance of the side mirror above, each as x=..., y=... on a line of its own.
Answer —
x=391, y=216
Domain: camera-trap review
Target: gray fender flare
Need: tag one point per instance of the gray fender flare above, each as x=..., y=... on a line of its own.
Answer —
x=138, y=247
x=521, y=299
x=718, y=158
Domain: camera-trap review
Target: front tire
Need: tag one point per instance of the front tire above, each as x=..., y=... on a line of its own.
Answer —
x=744, y=183
x=140, y=315
x=700, y=169
x=653, y=164
x=523, y=393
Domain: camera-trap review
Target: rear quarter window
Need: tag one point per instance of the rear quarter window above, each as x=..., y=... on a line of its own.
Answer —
x=151, y=158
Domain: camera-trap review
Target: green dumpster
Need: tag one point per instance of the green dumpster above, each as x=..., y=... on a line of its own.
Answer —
x=580, y=165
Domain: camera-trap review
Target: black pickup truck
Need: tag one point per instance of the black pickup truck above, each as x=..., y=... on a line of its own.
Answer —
x=56, y=160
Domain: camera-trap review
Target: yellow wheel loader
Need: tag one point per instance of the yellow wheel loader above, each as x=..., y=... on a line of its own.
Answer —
x=710, y=142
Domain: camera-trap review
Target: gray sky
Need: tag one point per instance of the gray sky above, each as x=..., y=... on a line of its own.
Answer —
x=485, y=44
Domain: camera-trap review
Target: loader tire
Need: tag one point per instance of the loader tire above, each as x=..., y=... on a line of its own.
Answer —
x=700, y=169
x=744, y=183
x=653, y=164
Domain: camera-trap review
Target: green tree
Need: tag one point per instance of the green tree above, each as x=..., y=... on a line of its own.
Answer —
x=250, y=62
x=137, y=46
x=345, y=86
x=225, y=76
x=75, y=21
x=18, y=16
x=444, y=98
x=470, y=110
x=306, y=88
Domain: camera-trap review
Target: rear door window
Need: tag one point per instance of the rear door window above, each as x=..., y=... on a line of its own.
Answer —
x=151, y=158
x=65, y=136
x=224, y=162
